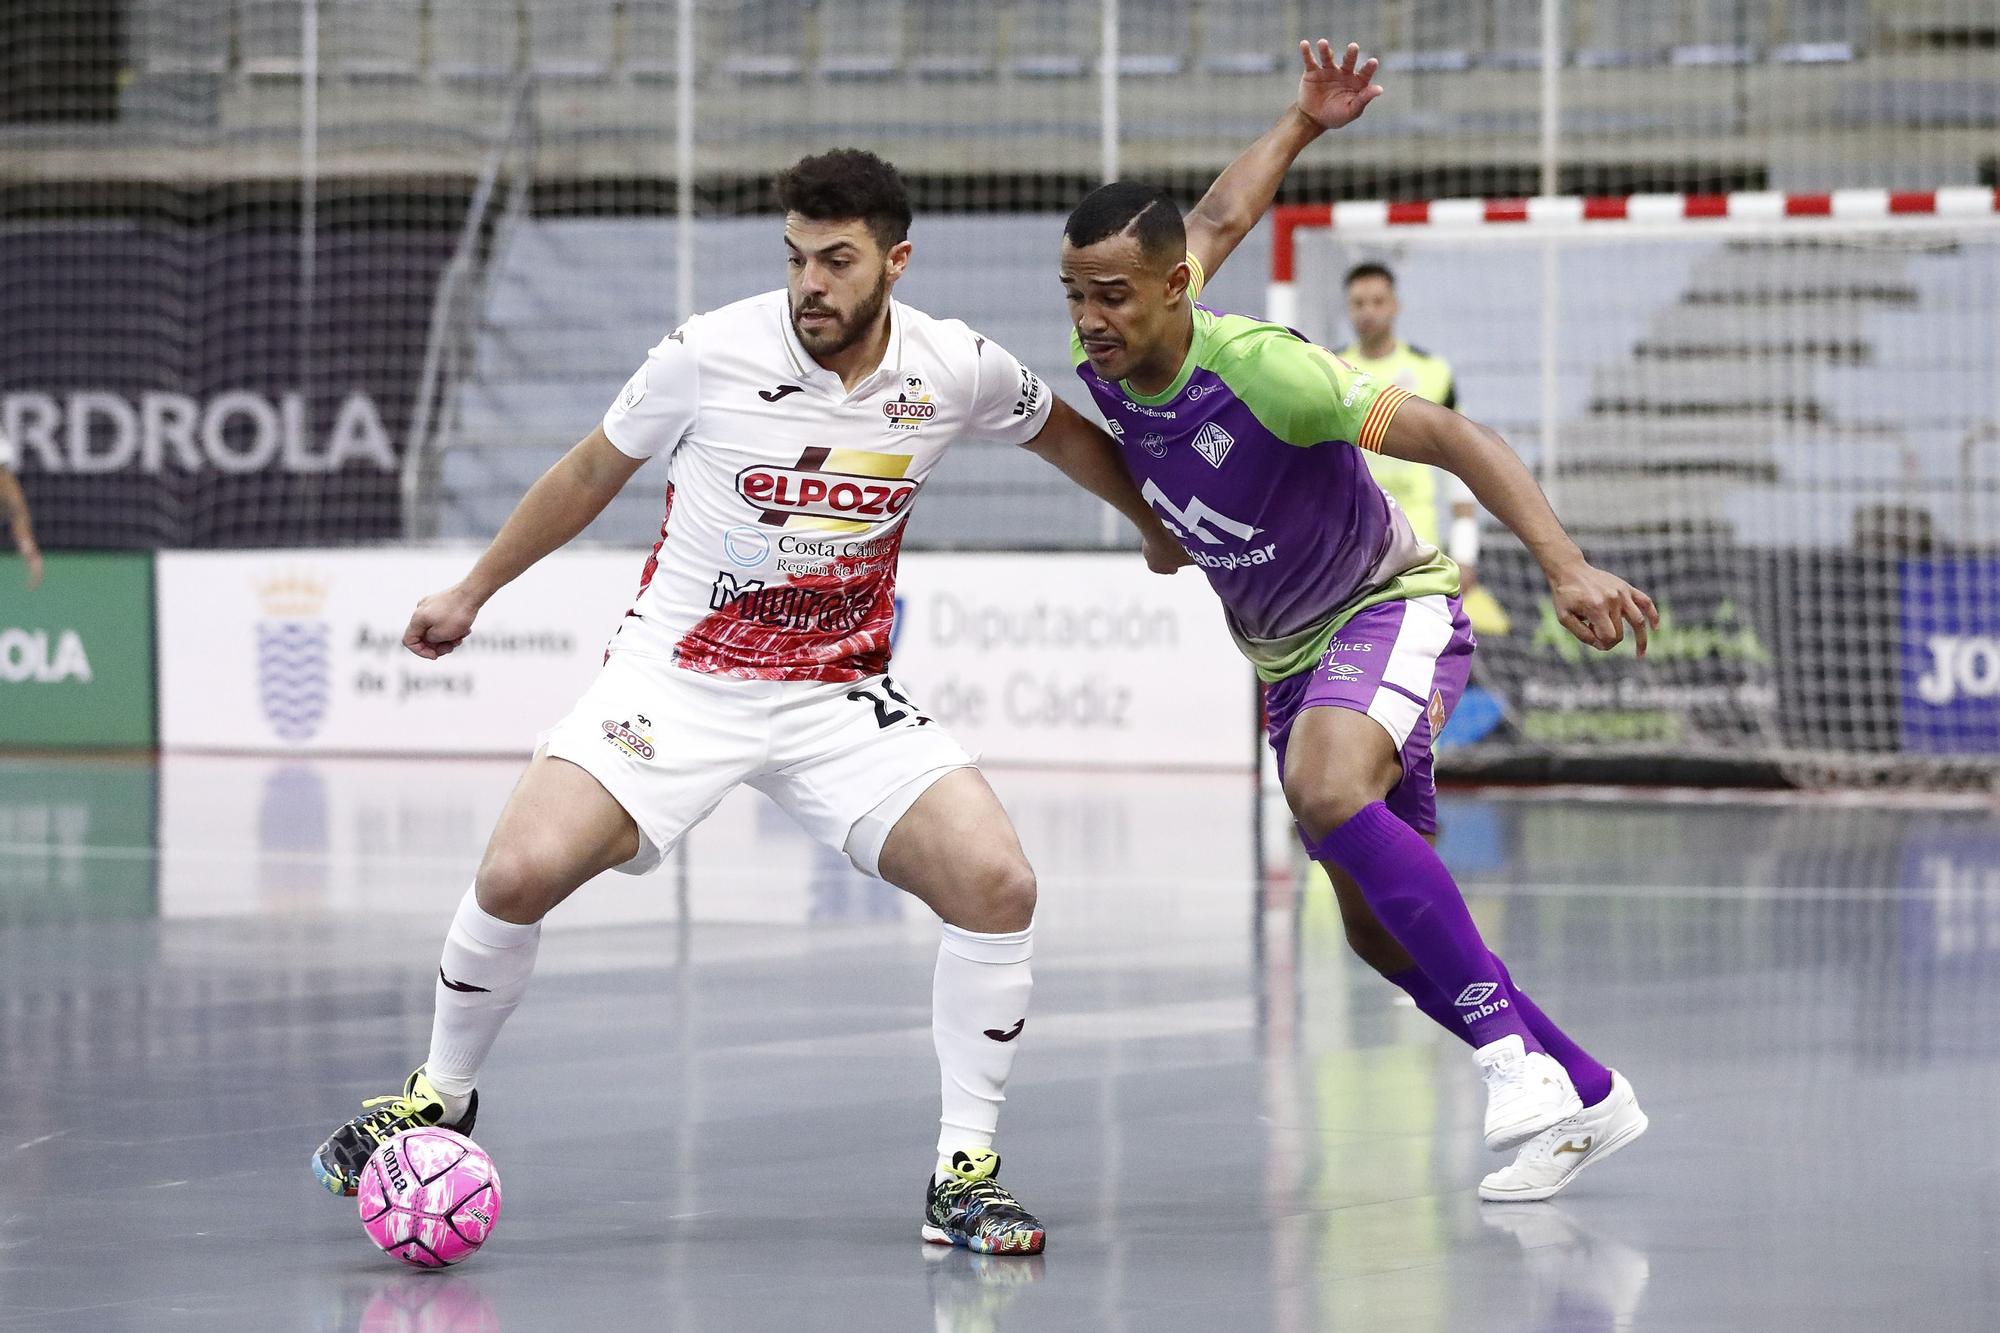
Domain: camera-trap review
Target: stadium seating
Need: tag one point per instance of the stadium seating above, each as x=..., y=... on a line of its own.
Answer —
x=861, y=39
x=170, y=37
x=649, y=40
x=374, y=39
x=1051, y=39
x=764, y=39
x=1156, y=37
x=475, y=42
x=270, y=37
x=1251, y=37
x=571, y=39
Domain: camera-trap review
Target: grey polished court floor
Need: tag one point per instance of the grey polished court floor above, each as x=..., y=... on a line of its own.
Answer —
x=715, y=1109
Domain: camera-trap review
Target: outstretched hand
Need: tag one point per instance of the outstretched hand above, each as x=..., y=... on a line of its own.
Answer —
x=1333, y=94
x=1596, y=607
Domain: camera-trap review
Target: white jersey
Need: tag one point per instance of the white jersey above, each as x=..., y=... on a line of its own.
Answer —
x=787, y=494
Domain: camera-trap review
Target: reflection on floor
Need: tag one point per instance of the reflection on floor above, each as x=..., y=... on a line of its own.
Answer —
x=714, y=1110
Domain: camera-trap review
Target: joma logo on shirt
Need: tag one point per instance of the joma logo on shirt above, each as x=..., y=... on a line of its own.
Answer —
x=783, y=491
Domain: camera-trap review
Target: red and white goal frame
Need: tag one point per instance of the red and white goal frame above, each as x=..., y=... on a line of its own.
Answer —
x=1751, y=212
x=1811, y=419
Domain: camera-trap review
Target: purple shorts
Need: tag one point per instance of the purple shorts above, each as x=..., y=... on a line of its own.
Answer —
x=1403, y=663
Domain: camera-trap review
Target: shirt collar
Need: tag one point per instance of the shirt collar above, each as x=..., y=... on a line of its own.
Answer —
x=811, y=370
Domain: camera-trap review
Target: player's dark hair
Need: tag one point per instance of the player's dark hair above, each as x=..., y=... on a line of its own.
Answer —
x=1371, y=269
x=1126, y=206
x=848, y=183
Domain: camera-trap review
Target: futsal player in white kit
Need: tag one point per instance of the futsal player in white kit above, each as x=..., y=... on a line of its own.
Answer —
x=797, y=428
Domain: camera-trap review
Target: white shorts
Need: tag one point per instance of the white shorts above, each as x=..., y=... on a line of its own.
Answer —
x=669, y=744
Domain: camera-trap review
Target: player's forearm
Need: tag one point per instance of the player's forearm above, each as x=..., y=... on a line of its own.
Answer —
x=14, y=504
x=1503, y=484
x=556, y=508
x=1244, y=191
x=1089, y=457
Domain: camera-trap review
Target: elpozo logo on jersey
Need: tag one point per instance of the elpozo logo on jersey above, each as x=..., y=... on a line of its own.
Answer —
x=786, y=491
x=846, y=489
x=912, y=406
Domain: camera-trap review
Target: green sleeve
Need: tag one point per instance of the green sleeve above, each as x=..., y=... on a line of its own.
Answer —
x=1299, y=391
x=1076, y=357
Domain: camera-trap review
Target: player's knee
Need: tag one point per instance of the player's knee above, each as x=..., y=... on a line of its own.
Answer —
x=516, y=884
x=1328, y=804
x=1003, y=896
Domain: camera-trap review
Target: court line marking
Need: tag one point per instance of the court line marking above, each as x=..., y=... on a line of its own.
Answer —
x=23, y=1147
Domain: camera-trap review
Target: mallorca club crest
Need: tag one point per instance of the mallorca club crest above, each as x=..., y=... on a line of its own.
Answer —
x=294, y=668
x=912, y=406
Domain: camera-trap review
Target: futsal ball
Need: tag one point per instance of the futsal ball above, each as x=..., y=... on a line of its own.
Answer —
x=430, y=1197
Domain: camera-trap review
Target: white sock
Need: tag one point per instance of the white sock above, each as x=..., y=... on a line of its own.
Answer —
x=497, y=957
x=981, y=987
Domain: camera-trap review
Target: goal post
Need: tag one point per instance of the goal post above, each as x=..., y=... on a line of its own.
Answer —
x=1779, y=414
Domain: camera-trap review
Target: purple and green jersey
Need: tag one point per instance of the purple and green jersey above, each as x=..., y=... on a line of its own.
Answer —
x=1253, y=458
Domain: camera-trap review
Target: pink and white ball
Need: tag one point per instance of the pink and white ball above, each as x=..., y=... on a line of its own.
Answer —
x=430, y=1197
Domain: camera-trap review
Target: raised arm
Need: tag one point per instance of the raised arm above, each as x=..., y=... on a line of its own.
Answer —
x=14, y=508
x=1089, y=457
x=559, y=505
x=1593, y=605
x=1330, y=95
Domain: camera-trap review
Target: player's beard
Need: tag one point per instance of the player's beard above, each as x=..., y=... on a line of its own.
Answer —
x=848, y=329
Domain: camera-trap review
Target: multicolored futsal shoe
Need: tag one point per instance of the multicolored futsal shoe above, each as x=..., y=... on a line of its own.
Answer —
x=339, y=1160
x=973, y=1209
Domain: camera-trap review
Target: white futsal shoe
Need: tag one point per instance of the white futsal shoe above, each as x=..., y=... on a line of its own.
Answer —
x=1526, y=1092
x=1552, y=1159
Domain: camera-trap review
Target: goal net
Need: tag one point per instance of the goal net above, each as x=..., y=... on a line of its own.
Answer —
x=1777, y=414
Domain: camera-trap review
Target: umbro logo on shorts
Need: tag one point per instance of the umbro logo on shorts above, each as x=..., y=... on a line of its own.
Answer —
x=773, y=395
x=1010, y=1033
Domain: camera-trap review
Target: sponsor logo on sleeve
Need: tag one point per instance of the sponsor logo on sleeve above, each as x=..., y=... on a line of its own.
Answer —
x=1030, y=400
x=635, y=390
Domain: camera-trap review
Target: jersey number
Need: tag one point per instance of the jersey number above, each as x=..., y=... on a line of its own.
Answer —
x=885, y=714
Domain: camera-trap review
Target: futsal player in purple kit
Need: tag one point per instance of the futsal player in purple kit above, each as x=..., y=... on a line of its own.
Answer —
x=1248, y=441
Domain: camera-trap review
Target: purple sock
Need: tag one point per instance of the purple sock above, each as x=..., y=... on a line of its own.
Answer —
x=1431, y=1000
x=1416, y=900
x=1593, y=1080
